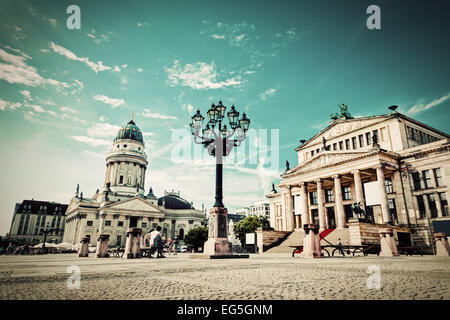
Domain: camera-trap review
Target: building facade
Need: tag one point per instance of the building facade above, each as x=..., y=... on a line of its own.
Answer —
x=31, y=216
x=121, y=203
x=396, y=168
x=259, y=208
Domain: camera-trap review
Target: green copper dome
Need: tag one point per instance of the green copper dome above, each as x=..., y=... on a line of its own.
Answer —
x=130, y=131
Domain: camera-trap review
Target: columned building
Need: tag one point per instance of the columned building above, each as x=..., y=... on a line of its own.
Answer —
x=122, y=203
x=396, y=168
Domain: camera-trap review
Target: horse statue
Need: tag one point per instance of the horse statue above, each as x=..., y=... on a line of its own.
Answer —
x=358, y=210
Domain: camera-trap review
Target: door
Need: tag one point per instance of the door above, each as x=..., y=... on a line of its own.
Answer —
x=315, y=215
x=133, y=222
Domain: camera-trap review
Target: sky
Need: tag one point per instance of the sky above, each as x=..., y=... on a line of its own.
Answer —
x=65, y=93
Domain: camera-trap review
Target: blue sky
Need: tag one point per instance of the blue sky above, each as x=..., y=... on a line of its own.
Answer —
x=288, y=64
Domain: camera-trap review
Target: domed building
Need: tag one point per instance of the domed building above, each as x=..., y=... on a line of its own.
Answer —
x=122, y=202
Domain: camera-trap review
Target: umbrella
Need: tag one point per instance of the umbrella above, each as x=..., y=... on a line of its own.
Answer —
x=65, y=245
x=47, y=244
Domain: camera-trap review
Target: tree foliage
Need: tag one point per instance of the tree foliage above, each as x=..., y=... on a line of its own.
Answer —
x=249, y=225
x=196, y=237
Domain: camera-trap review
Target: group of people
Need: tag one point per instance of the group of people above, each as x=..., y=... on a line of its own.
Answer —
x=155, y=241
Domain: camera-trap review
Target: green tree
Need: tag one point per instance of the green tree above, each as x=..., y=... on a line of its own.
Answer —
x=196, y=237
x=249, y=225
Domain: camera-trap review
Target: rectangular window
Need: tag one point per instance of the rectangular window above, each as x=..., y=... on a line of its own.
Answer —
x=120, y=223
x=89, y=223
x=317, y=150
x=438, y=177
x=368, y=139
x=421, y=205
x=334, y=146
x=120, y=179
x=444, y=203
x=108, y=223
x=329, y=195
x=361, y=141
x=312, y=153
x=144, y=225
x=388, y=186
x=427, y=178
x=313, y=197
x=191, y=221
x=346, y=192
x=375, y=134
x=341, y=145
x=416, y=181
x=354, y=145
x=392, y=210
x=347, y=144
x=432, y=205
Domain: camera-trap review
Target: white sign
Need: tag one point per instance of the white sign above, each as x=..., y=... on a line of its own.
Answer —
x=249, y=238
x=371, y=193
x=297, y=206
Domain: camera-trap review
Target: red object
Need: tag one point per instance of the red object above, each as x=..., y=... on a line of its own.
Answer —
x=326, y=232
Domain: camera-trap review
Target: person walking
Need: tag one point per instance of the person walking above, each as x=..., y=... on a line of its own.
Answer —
x=170, y=244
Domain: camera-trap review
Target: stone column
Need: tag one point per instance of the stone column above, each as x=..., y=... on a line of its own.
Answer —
x=358, y=188
x=382, y=190
x=321, y=205
x=339, y=204
x=83, y=251
x=387, y=243
x=289, y=210
x=442, y=247
x=102, y=246
x=297, y=222
x=132, y=246
x=304, y=203
x=427, y=206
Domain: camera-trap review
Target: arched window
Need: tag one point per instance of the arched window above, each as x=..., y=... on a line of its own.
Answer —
x=181, y=234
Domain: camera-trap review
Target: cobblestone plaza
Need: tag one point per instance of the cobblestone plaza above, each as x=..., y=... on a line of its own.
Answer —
x=263, y=276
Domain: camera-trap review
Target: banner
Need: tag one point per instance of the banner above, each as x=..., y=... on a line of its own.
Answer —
x=297, y=206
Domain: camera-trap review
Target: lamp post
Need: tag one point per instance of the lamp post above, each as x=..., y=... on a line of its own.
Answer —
x=46, y=231
x=219, y=140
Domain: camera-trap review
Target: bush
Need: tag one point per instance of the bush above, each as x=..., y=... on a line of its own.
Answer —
x=249, y=225
x=196, y=237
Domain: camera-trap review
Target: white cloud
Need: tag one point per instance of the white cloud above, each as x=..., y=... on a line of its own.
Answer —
x=91, y=141
x=102, y=118
x=189, y=107
x=97, y=67
x=217, y=36
x=4, y=105
x=111, y=101
x=419, y=107
x=199, y=75
x=143, y=24
x=139, y=70
x=268, y=93
x=148, y=114
x=15, y=70
x=67, y=109
x=26, y=94
x=103, y=130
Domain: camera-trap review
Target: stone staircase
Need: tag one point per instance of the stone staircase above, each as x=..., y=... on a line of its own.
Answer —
x=273, y=238
x=296, y=238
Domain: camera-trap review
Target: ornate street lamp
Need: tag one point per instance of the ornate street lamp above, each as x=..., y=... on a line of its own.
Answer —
x=219, y=139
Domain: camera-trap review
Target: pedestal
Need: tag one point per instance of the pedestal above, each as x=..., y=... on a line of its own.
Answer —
x=218, y=246
x=442, y=247
x=83, y=251
x=133, y=245
x=387, y=243
x=311, y=242
x=102, y=246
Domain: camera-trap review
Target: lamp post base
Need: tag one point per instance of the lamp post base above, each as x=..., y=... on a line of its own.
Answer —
x=218, y=246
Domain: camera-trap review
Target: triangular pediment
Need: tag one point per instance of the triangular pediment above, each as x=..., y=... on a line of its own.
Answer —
x=340, y=127
x=325, y=159
x=134, y=204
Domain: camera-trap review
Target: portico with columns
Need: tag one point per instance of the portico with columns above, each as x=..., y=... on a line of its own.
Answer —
x=395, y=167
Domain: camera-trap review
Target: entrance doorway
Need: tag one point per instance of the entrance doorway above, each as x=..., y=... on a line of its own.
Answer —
x=404, y=239
x=348, y=211
x=331, y=218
